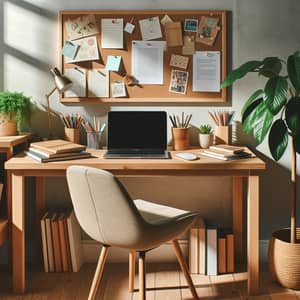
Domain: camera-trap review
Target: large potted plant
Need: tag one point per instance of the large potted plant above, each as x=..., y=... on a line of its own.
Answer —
x=15, y=108
x=275, y=111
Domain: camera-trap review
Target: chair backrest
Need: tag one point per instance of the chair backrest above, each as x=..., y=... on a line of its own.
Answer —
x=103, y=207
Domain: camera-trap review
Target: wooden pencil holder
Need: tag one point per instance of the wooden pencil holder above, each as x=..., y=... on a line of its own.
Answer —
x=223, y=134
x=72, y=135
x=180, y=138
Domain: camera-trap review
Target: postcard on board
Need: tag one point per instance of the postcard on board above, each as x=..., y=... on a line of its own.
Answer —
x=179, y=61
x=150, y=28
x=207, y=31
x=112, y=33
x=191, y=25
x=178, y=82
x=118, y=89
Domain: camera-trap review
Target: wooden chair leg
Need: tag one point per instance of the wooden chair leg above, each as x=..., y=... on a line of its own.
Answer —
x=131, y=270
x=184, y=268
x=98, y=273
x=142, y=276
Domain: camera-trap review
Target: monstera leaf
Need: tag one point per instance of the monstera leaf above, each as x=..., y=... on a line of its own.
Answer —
x=293, y=68
x=278, y=139
x=292, y=115
x=251, y=99
x=271, y=67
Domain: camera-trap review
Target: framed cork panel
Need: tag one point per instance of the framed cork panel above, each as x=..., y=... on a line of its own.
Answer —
x=149, y=93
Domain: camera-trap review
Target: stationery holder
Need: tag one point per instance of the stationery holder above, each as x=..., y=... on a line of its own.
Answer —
x=180, y=138
x=94, y=139
x=223, y=134
x=72, y=135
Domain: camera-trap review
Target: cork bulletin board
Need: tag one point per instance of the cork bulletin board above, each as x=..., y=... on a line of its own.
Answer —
x=148, y=93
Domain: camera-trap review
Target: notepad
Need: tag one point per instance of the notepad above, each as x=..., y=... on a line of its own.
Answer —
x=78, y=77
x=112, y=33
x=69, y=49
x=98, y=83
x=150, y=28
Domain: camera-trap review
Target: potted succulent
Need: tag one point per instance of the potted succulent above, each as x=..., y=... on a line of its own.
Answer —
x=205, y=136
x=15, y=108
x=275, y=111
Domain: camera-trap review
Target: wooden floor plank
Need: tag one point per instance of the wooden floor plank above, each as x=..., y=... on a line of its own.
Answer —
x=225, y=285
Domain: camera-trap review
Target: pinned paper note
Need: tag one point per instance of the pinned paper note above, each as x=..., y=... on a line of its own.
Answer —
x=78, y=77
x=112, y=33
x=150, y=28
x=113, y=63
x=88, y=50
x=166, y=19
x=188, y=45
x=98, y=83
x=118, y=89
x=179, y=61
x=173, y=34
x=207, y=31
x=178, y=82
x=69, y=49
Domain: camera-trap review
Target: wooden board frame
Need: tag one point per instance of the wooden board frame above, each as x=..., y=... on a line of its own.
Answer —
x=148, y=94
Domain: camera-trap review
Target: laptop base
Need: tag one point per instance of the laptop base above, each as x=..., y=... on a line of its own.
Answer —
x=163, y=155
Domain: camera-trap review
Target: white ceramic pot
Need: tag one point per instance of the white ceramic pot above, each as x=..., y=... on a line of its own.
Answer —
x=205, y=140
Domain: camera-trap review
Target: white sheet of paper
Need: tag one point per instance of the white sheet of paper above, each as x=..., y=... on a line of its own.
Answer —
x=148, y=61
x=118, y=89
x=98, y=83
x=112, y=33
x=150, y=28
x=206, y=71
x=78, y=88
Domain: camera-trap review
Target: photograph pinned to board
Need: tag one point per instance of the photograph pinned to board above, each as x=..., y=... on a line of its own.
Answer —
x=69, y=49
x=150, y=28
x=78, y=77
x=207, y=31
x=88, y=50
x=188, y=47
x=113, y=63
x=173, y=34
x=81, y=27
x=206, y=71
x=112, y=33
x=166, y=19
x=178, y=82
x=129, y=27
x=179, y=61
x=147, y=61
x=98, y=83
x=118, y=89
x=191, y=25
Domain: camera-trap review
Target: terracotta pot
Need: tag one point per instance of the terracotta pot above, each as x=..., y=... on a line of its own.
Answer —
x=180, y=138
x=284, y=259
x=7, y=127
x=205, y=140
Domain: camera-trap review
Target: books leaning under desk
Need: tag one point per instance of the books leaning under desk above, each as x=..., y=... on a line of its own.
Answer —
x=56, y=150
x=61, y=244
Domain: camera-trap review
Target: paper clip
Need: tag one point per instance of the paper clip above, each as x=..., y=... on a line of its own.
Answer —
x=131, y=20
x=79, y=70
x=149, y=44
x=101, y=73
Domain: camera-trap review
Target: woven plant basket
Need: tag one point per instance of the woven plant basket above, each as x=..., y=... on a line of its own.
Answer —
x=284, y=259
x=7, y=127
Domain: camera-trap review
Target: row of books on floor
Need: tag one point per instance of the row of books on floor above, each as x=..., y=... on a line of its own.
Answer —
x=56, y=150
x=211, y=250
x=61, y=236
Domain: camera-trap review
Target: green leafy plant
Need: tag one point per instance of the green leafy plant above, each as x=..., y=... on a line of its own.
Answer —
x=205, y=129
x=15, y=106
x=274, y=110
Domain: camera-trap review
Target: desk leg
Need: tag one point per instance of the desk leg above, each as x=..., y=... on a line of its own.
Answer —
x=253, y=234
x=237, y=212
x=18, y=234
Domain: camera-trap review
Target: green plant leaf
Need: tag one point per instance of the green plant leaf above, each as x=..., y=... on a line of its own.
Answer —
x=259, y=120
x=248, y=113
x=275, y=94
x=251, y=99
x=293, y=68
x=271, y=67
x=292, y=115
x=240, y=72
x=278, y=139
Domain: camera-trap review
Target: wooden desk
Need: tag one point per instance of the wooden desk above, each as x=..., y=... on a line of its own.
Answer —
x=21, y=167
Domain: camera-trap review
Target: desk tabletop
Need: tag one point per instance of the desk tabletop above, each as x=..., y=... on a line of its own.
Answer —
x=10, y=141
x=23, y=163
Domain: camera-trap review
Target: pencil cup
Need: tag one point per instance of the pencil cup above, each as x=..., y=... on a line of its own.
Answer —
x=223, y=134
x=180, y=138
x=94, y=140
x=72, y=135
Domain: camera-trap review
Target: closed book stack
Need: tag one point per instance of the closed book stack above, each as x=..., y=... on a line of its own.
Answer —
x=56, y=150
x=61, y=242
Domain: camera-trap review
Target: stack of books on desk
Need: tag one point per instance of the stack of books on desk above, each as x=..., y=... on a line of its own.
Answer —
x=211, y=250
x=61, y=236
x=227, y=152
x=56, y=150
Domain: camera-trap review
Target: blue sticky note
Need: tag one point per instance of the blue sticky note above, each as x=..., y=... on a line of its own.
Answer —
x=113, y=63
x=70, y=49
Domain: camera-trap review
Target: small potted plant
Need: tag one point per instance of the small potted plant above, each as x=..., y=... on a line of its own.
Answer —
x=205, y=136
x=15, y=108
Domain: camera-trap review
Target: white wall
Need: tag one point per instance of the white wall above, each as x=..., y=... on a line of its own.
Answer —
x=257, y=28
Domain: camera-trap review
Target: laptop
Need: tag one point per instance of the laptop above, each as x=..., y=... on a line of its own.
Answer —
x=137, y=134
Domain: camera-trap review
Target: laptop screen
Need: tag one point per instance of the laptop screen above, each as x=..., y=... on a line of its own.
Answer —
x=137, y=130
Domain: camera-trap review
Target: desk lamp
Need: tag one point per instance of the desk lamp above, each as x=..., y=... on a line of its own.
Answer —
x=62, y=83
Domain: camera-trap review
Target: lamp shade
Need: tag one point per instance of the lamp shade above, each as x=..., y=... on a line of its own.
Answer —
x=62, y=82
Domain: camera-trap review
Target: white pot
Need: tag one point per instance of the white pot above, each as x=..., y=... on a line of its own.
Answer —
x=205, y=140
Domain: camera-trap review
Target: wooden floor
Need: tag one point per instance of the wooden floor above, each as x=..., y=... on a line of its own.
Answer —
x=167, y=279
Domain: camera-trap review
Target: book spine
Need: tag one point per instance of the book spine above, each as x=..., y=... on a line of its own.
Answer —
x=193, y=251
x=67, y=245
x=49, y=245
x=212, y=251
x=63, y=246
x=56, y=245
x=221, y=255
x=44, y=244
x=230, y=253
x=202, y=250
